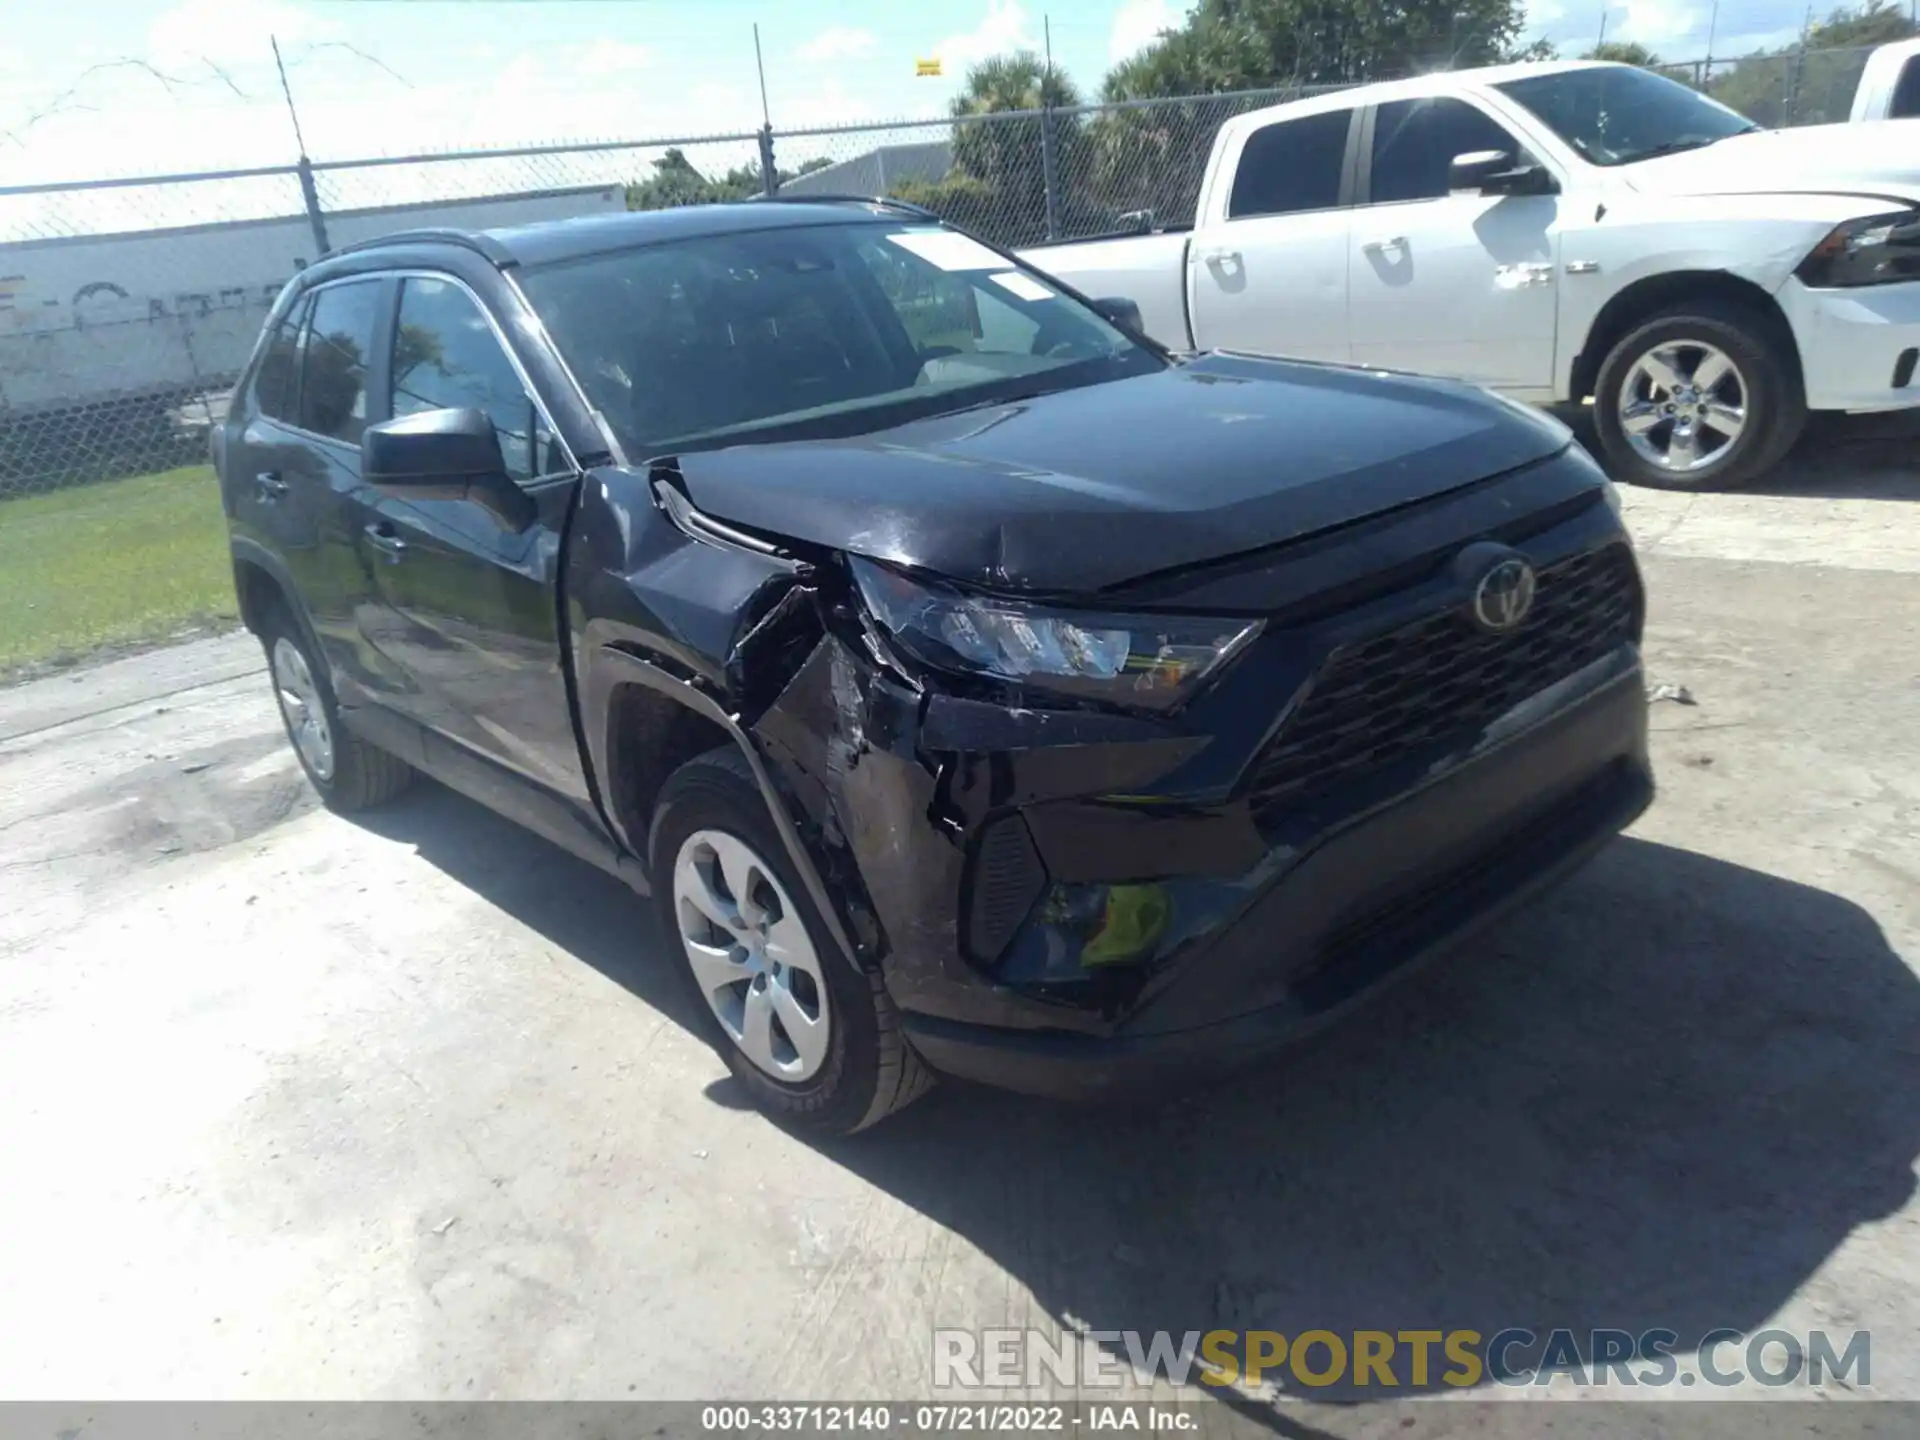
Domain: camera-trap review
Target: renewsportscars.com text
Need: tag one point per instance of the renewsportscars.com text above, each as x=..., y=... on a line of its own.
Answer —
x=1399, y=1359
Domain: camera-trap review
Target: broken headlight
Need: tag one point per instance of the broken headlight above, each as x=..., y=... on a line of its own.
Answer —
x=1876, y=250
x=1148, y=662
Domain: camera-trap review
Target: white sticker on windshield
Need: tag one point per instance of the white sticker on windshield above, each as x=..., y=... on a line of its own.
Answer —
x=1025, y=286
x=948, y=250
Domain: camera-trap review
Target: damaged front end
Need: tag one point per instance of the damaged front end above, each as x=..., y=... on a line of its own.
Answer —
x=1048, y=826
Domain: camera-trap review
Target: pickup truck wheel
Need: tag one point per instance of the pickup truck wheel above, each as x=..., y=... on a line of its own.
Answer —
x=1698, y=398
x=814, y=1040
x=348, y=773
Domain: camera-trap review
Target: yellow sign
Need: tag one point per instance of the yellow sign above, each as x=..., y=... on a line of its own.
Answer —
x=926, y=67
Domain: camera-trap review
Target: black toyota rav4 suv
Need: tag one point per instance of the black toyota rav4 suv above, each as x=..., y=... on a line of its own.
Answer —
x=979, y=689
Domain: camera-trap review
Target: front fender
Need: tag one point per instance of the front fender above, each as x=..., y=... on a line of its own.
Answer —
x=1755, y=238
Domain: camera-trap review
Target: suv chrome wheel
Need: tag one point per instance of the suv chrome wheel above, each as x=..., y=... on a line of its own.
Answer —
x=300, y=704
x=1683, y=405
x=751, y=955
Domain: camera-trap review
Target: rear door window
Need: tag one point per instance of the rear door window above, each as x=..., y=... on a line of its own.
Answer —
x=334, y=364
x=1290, y=166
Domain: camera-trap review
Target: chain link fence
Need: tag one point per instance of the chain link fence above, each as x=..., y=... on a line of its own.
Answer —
x=129, y=305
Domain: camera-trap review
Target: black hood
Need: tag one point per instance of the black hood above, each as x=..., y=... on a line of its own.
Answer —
x=1084, y=489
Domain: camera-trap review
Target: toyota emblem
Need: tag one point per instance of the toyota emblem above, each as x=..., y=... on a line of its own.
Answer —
x=1504, y=595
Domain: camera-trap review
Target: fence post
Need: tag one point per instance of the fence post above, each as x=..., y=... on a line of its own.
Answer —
x=769, y=175
x=311, y=195
x=1049, y=172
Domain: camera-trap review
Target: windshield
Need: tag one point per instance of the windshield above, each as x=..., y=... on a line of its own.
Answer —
x=812, y=331
x=1616, y=114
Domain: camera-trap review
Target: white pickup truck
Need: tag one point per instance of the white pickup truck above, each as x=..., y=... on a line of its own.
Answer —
x=1556, y=232
x=1889, y=87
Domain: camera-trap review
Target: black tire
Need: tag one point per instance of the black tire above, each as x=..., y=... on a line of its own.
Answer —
x=361, y=774
x=1776, y=405
x=870, y=1070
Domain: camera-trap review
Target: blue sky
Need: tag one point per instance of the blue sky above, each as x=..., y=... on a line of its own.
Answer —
x=394, y=76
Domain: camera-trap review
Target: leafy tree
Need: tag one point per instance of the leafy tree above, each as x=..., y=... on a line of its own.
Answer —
x=1246, y=44
x=1008, y=156
x=1814, y=84
x=1623, y=52
x=675, y=181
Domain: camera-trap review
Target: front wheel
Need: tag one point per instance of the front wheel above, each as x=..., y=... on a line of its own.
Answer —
x=1700, y=398
x=815, y=1040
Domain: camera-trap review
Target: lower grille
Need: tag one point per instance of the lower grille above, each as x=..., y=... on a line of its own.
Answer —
x=1441, y=680
x=1007, y=878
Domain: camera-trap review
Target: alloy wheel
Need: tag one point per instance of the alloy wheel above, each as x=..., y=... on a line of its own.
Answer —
x=1683, y=405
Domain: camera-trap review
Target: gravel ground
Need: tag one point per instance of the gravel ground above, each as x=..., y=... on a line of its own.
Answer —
x=409, y=1107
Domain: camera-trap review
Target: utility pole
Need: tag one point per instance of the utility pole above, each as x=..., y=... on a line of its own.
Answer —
x=1049, y=159
x=769, y=172
x=308, y=191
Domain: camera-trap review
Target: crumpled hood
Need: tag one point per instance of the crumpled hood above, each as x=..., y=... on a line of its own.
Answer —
x=1875, y=157
x=1081, y=490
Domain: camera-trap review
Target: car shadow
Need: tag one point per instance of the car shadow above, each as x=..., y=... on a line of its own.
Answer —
x=1840, y=457
x=579, y=908
x=1658, y=1098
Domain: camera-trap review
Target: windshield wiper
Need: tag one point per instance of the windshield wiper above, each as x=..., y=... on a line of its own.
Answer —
x=1691, y=142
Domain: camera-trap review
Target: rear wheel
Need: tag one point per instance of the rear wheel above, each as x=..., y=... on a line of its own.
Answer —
x=1699, y=398
x=348, y=773
x=815, y=1040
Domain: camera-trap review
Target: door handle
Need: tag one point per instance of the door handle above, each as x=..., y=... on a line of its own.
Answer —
x=269, y=486
x=1220, y=257
x=380, y=535
x=1392, y=242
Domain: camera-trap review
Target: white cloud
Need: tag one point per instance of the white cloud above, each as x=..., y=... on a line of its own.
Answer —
x=1005, y=27
x=1654, y=24
x=840, y=42
x=1540, y=14
x=612, y=57
x=1137, y=24
x=232, y=32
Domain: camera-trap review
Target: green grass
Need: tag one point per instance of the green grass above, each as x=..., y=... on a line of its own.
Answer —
x=113, y=564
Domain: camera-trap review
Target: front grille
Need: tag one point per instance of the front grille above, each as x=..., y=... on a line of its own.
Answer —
x=1441, y=680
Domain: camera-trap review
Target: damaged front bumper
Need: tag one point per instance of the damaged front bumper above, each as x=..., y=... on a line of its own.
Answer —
x=1072, y=902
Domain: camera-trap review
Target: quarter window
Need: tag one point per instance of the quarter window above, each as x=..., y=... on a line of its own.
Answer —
x=333, y=378
x=276, y=385
x=445, y=355
x=1291, y=166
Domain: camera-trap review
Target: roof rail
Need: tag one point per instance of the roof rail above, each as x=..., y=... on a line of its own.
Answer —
x=467, y=239
x=886, y=202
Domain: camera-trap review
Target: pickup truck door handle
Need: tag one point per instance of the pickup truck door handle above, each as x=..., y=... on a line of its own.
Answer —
x=381, y=536
x=269, y=486
x=1392, y=242
x=1220, y=257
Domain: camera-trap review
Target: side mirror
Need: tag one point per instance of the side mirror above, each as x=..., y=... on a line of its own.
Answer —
x=1492, y=172
x=1122, y=312
x=451, y=454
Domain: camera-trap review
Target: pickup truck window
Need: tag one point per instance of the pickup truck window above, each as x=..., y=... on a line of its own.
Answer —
x=1415, y=141
x=445, y=354
x=1617, y=114
x=1906, y=94
x=333, y=372
x=812, y=329
x=1291, y=165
